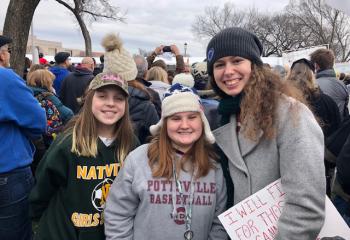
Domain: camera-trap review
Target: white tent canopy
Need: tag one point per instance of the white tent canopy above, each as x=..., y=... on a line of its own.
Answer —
x=169, y=61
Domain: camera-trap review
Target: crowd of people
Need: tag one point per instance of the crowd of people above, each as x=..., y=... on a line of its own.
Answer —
x=132, y=150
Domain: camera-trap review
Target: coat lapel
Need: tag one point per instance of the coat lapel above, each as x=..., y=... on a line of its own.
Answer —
x=227, y=140
x=246, y=145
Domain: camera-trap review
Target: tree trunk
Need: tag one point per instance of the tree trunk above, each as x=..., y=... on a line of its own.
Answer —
x=84, y=30
x=18, y=19
x=86, y=35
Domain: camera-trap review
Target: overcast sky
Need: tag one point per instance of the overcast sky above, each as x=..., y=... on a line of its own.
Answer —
x=149, y=23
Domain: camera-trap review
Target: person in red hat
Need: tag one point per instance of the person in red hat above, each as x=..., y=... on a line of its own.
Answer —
x=42, y=60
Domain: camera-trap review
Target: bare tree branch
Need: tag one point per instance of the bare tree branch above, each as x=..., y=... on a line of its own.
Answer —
x=303, y=23
x=91, y=10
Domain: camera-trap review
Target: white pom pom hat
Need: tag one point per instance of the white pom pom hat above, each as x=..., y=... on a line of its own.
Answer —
x=184, y=79
x=117, y=58
x=180, y=98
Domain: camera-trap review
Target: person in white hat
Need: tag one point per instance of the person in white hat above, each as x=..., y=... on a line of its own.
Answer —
x=171, y=188
x=118, y=60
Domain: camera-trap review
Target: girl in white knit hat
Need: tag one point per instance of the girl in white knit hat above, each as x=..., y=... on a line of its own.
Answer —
x=143, y=111
x=171, y=188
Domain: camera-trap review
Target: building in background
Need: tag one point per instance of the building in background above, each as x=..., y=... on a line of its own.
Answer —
x=50, y=48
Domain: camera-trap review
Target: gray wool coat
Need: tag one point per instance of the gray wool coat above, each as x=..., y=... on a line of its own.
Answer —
x=295, y=155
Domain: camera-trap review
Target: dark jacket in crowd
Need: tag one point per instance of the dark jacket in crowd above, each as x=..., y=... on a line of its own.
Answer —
x=210, y=104
x=325, y=108
x=343, y=167
x=334, y=88
x=98, y=69
x=154, y=95
x=336, y=141
x=142, y=112
x=73, y=87
x=327, y=112
x=337, y=152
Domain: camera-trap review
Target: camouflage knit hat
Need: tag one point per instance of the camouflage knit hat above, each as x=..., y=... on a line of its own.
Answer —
x=107, y=78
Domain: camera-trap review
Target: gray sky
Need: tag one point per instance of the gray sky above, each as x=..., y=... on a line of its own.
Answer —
x=149, y=23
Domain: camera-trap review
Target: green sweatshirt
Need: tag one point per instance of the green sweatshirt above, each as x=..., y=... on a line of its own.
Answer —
x=70, y=192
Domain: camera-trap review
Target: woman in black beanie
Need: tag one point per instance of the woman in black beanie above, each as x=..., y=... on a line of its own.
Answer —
x=267, y=133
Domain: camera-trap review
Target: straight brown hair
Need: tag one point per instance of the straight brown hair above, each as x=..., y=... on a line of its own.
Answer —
x=161, y=154
x=83, y=129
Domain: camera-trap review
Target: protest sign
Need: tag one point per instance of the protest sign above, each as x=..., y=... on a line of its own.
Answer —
x=256, y=217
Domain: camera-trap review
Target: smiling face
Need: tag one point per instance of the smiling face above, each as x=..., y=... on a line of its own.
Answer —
x=231, y=74
x=108, y=106
x=184, y=129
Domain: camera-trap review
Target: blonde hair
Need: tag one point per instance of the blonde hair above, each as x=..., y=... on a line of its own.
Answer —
x=161, y=153
x=303, y=78
x=41, y=78
x=157, y=73
x=35, y=67
x=83, y=129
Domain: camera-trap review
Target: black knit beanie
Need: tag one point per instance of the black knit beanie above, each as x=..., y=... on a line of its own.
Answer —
x=233, y=42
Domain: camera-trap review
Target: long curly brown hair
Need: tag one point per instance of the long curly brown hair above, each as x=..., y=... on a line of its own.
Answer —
x=260, y=99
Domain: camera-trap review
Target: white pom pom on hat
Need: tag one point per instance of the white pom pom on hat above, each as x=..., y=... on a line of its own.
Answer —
x=117, y=59
x=184, y=79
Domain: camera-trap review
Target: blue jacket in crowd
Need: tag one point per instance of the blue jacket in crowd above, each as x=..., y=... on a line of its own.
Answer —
x=21, y=120
x=60, y=73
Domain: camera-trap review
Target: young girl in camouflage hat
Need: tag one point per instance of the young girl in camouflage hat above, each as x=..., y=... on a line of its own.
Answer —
x=74, y=177
x=171, y=188
x=267, y=134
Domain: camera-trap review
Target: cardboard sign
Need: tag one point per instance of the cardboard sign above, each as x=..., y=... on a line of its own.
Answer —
x=255, y=218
